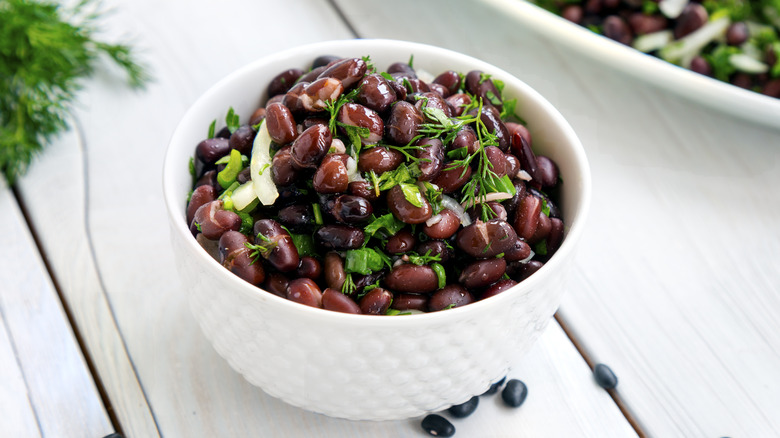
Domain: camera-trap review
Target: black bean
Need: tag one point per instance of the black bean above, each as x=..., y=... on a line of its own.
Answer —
x=351, y=209
x=401, y=242
x=616, y=28
x=338, y=302
x=573, y=13
x=282, y=82
x=379, y=159
x=212, y=149
x=376, y=93
x=304, y=291
x=434, y=248
x=464, y=409
x=309, y=267
x=604, y=376
x=376, y=301
x=737, y=33
x=349, y=71
x=497, y=287
x=280, y=123
x=403, y=123
x=486, y=239
x=314, y=95
x=450, y=79
x=312, y=74
x=482, y=273
x=514, y=393
x=283, y=254
x=311, y=146
x=451, y=295
x=495, y=387
x=334, y=270
x=412, y=278
x=691, y=19
x=214, y=221
x=436, y=425
x=701, y=66
x=403, y=68
x=339, y=237
x=404, y=210
x=458, y=102
x=241, y=140
x=643, y=24
x=324, y=60
x=410, y=302
x=431, y=158
x=200, y=196
x=355, y=114
x=331, y=175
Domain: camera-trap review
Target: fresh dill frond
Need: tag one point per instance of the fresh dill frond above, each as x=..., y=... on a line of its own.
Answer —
x=43, y=59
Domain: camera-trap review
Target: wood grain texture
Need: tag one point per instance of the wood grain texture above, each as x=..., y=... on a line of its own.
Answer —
x=677, y=280
x=183, y=386
x=47, y=388
x=53, y=192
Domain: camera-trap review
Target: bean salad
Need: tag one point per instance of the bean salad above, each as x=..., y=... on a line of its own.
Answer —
x=735, y=41
x=377, y=192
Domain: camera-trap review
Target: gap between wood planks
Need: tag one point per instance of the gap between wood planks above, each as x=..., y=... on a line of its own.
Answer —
x=68, y=314
x=612, y=392
x=580, y=349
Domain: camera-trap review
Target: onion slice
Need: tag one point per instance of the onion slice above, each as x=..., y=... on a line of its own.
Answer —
x=685, y=49
x=747, y=64
x=653, y=41
x=433, y=220
x=494, y=196
x=260, y=167
x=451, y=204
x=672, y=8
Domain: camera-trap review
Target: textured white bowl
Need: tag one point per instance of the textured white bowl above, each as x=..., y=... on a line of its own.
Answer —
x=361, y=366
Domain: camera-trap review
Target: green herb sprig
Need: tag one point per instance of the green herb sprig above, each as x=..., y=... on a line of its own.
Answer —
x=43, y=59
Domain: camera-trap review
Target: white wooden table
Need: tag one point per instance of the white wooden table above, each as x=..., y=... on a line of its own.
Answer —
x=677, y=283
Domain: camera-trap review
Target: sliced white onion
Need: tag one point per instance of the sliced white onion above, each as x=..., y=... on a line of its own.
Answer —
x=424, y=76
x=352, y=170
x=495, y=196
x=653, y=41
x=338, y=146
x=452, y=204
x=263, y=184
x=433, y=220
x=685, y=49
x=672, y=8
x=751, y=50
x=747, y=64
x=523, y=175
x=528, y=259
x=244, y=195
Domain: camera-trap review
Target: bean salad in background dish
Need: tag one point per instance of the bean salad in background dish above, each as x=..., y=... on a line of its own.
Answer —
x=734, y=41
x=377, y=192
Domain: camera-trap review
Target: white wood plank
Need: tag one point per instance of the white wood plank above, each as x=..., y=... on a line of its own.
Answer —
x=53, y=194
x=192, y=391
x=677, y=280
x=51, y=391
x=18, y=416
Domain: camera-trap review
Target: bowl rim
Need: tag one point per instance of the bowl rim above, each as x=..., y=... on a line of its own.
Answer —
x=575, y=227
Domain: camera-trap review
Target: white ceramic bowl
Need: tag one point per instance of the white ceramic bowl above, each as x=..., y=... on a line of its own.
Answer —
x=363, y=366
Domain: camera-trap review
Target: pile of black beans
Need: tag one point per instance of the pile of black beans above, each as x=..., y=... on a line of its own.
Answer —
x=381, y=238
x=626, y=20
